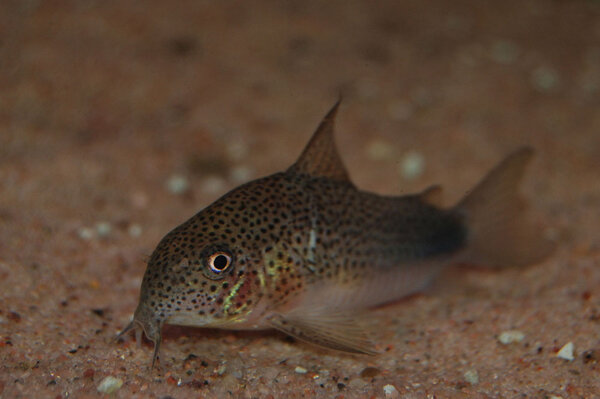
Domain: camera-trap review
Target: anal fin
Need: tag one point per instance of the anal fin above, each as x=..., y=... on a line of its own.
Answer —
x=334, y=331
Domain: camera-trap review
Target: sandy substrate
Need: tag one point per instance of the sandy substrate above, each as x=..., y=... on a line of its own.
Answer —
x=119, y=121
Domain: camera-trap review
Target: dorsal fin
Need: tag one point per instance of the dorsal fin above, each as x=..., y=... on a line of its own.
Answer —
x=320, y=157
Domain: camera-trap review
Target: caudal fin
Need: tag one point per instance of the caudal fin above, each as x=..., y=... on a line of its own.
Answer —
x=501, y=230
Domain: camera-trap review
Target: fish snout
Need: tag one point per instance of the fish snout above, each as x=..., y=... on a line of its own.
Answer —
x=145, y=319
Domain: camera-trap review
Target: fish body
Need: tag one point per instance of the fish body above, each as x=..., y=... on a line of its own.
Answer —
x=303, y=250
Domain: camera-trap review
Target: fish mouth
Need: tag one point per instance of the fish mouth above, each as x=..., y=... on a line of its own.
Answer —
x=145, y=320
x=150, y=329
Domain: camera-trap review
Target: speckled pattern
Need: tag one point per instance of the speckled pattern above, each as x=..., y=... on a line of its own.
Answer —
x=103, y=103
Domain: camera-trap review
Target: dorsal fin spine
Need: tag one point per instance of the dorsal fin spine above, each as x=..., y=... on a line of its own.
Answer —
x=320, y=157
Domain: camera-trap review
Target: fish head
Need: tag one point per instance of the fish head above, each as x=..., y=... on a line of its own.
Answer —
x=243, y=256
x=207, y=272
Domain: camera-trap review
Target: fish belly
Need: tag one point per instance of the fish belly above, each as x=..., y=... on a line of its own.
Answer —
x=381, y=287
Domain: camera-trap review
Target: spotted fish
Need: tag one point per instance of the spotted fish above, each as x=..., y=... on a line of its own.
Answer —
x=304, y=250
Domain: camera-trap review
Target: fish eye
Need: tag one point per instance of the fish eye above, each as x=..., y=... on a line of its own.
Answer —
x=219, y=262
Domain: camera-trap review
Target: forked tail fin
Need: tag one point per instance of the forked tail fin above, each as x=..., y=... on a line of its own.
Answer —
x=501, y=230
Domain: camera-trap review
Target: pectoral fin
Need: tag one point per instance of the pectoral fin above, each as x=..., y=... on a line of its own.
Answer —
x=334, y=331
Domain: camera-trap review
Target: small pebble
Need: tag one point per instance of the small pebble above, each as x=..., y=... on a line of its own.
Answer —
x=86, y=233
x=412, y=165
x=544, y=79
x=103, y=229
x=472, y=377
x=241, y=174
x=178, y=184
x=566, y=352
x=135, y=230
x=98, y=312
x=110, y=385
x=390, y=391
x=171, y=380
x=510, y=336
x=300, y=370
x=89, y=373
x=591, y=356
x=236, y=368
x=504, y=52
x=369, y=372
x=222, y=369
x=13, y=316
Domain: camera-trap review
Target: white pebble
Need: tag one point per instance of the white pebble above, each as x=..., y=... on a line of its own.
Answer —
x=110, y=384
x=135, y=230
x=86, y=233
x=510, y=336
x=390, y=391
x=241, y=174
x=103, y=229
x=222, y=369
x=504, y=52
x=177, y=184
x=566, y=352
x=544, y=78
x=472, y=377
x=412, y=165
x=300, y=370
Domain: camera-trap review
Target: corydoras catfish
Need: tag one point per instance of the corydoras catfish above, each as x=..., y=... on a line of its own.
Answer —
x=303, y=250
